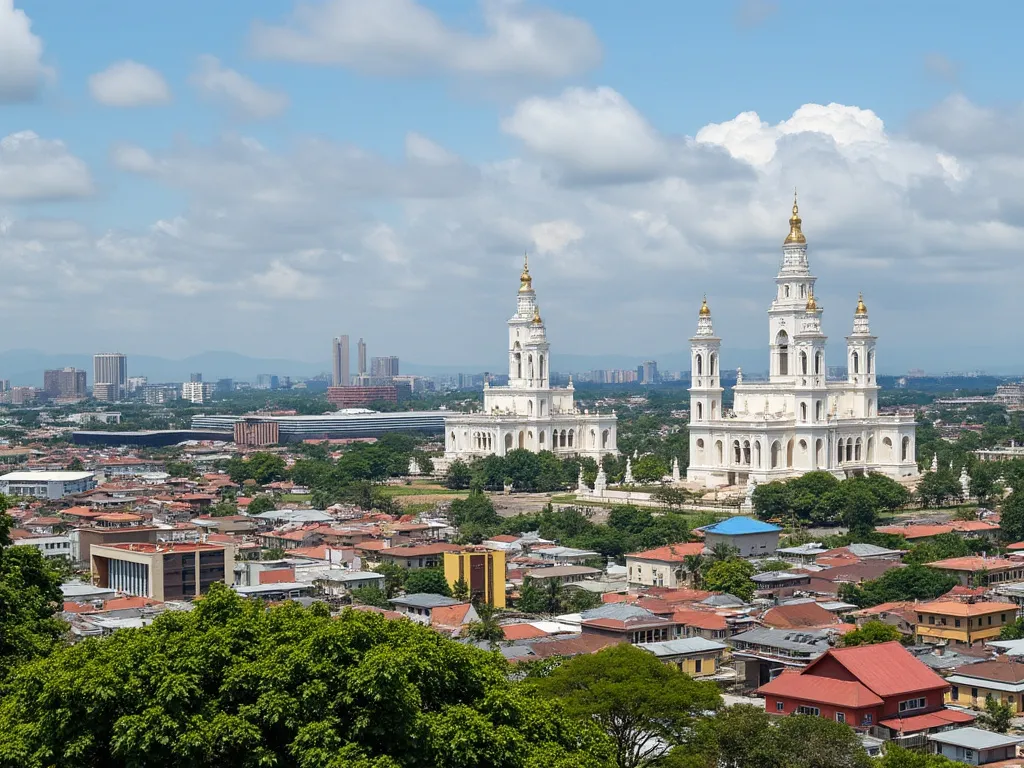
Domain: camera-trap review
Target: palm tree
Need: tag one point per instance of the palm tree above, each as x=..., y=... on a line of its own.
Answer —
x=487, y=628
x=460, y=590
x=553, y=596
x=692, y=565
x=723, y=551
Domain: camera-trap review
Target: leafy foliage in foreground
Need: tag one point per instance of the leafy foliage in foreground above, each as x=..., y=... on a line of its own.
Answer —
x=234, y=684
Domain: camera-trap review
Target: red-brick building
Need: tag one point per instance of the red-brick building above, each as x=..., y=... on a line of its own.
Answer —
x=882, y=687
x=352, y=397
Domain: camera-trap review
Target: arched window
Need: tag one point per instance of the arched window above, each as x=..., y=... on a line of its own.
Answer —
x=604, y=438
x=789, y=453
x=593, y=439
x=713, y=364
x=570, y=438
x=803, y=362
x=700, y=411
x=785, y=291
x=529, y=407
x=746, y=452
x=776, y=450
x=819, y=364
x=714, y=410
x=541, y=358
x=736, y=457
x=519, y=365
x=803, y=411
x=849, y=449
x=871, y=407
x=508, y=442
x=452, y=436
x=886, y=448
x=840, y=450
x=803, y=291
x=718, y=452
x=543, y=407
x=522, y=439
x=700, y=447
x=561, y=439
x=906, y=449
x=819, y=452
x=817, y=410
x=529, y=365
x=856, y=450
x=757, y=454
x=855, y=362
x=540, y=439
x=871, y=449
x=871, y=362
x=782, y=345
x=700, y=365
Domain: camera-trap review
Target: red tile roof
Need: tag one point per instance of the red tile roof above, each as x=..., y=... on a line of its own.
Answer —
x=572, y=646
x=421, y=550
x=699, y=619
x=673, y=553
x=1016, y=546
x=974, y=564
x=122, y=603
x=917, y=723
x=887, y=669
x=450, y=615
x=827, y=690
x=522, y=632
x=804, y=615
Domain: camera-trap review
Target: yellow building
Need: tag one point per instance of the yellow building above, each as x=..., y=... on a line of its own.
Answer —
x=696, y=656
x=1001, y=678
x=483, y=571
x=965, y=623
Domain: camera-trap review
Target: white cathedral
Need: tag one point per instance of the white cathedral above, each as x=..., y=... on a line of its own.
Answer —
x=797, y=421
x=529, y=413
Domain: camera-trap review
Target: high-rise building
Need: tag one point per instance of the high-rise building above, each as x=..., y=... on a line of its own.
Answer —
x=195, y=377
x=648, y=372
x=135, y=383
x=361, y=354
x=110, y=368
x=341, y=376
x=197, y=391
x=64, y=382
x=267, y=381
x=225, y=385
x=383, y=367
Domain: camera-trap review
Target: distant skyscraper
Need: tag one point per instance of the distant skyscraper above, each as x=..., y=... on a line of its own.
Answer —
x=64, y=382
x=267, y=381
x=383, y=367
x=648, y=372
x=110, y=368
x=361, y=347
x=195, y=377
x=341, y=376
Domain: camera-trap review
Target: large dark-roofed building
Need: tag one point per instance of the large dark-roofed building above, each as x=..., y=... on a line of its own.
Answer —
x=158, y=438
x=332, y=426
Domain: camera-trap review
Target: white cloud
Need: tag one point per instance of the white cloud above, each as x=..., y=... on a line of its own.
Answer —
x=402, y=37
x=589, y=134
x=555, y=236
x=235, y=91
x=283, y=281
x=21, y=69
x=129, y=84
x=34, y=169
x=421, y=149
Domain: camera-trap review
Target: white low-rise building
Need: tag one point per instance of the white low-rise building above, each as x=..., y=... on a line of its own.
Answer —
x=49, y=546
x=46, y=485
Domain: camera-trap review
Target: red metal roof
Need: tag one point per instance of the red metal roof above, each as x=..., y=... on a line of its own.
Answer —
x=888, y=669
x=799, y=615
x=917, y=723
x=673, y=553
x=824, y=690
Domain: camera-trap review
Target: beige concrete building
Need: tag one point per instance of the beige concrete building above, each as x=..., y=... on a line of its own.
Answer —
x=162, y=571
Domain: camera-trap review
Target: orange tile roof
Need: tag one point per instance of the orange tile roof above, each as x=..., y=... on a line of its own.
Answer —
x=673, y=553
x=974, y=563
x=123, y=603
x=957, y=608
x=803, y=615
x=522, y=632
x=927, y=721
x=449, y=615
x=700, y=619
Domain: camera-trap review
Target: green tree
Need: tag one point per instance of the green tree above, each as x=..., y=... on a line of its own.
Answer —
x=460, y=590
x=896, y=757
x=645, y=706
x=235, y=684
x=394, y=578
x=579, y=600
x=649, y=469
x=997, y=715
x=427, y=580
x=936, y=488
x=915, y=582
x=181, y=469
x=731, y=576
x=260, y=504
x=76, y=465
x=224, y=509
x=860, y=509
x=871, y=633
x=672, y=497
x=371, y=596
x=940, y=547
x=771, y=500
x=273, y=553
x=30, y=597
x=458, y=476
x=1013, y=631
x=486, y=628
x=531, y=597
x=1012, y=516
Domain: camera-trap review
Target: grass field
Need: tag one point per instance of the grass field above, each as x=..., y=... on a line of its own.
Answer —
x=296, y=496
x=431, y=489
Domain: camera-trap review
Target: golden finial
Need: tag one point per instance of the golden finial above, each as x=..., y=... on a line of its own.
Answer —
x=705, y=310
x=861, y=306
x=812, y=305
x=795, y=234
x=536, y=314
x=525, y=281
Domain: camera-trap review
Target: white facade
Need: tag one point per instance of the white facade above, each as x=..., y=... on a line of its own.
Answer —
x=796, y=422
x=49, y=546
x=529, y=413
x=198, y=392
x=46, y=485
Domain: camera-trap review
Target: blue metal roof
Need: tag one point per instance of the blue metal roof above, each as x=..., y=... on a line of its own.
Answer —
x=737, y=526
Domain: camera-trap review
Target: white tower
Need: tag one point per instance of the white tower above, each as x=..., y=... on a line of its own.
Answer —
x=705, y=382
x=528, y=348
x=794, y=286
x=860, y=363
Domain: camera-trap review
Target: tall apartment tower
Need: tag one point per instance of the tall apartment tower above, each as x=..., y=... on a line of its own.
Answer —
x=383, y=367
x=110, y=369
x=341, y=376
x=64, y=382
x=361, y=354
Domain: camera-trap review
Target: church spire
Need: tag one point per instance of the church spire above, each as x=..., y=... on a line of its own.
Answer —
x=795, y=235
x=525, y=280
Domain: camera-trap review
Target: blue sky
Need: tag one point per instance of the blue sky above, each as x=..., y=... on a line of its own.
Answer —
x=379, y=170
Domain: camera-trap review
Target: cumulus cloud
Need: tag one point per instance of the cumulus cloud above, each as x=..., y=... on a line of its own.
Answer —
x=919, y=223
x=21, y=69
x=37, y=169
x=129, y=84
x=239, y=94
x=403, y=37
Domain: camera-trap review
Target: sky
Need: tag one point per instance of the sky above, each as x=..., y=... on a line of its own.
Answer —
x=259, y=177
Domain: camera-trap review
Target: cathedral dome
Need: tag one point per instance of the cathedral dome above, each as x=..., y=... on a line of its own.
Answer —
x=861, y=306
x=795, y=235
x=525, y=280
x=705, y=310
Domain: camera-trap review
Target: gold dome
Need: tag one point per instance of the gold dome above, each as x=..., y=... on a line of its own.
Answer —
x=812, y=305
x=525, y=281
x=861, y=306
x=795, y=234
x=536, y=315
x=705, y=310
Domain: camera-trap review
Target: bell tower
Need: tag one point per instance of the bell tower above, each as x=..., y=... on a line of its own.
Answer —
x=705, y=374
x=860, y=362
x=794, y=287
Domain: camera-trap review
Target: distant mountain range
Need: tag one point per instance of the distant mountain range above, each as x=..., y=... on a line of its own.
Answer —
x=24, y=367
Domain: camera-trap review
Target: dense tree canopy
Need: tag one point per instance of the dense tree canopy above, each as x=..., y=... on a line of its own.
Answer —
x=915, y=582
x=231, y=683
x=731, y=575
x=429, y=580
x=871, y=633
x=818, y=498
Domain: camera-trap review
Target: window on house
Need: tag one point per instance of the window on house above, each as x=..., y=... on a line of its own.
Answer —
x=974, y=693
x=954, y=693
x=868, y=719
x=779, y=706
x=696, y=666
x=840, y=717
x=956, y=622
x=931, y=619
x=808, y=711
x=990, y=621
x=911, y=704
x=1002, y=618
x=920, y=619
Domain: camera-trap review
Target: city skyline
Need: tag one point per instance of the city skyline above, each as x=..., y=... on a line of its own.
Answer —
x=182, y=166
